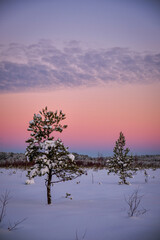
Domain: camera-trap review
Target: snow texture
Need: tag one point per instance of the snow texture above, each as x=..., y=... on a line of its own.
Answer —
x=71, y=156
x=30, y=181
x=98, y=207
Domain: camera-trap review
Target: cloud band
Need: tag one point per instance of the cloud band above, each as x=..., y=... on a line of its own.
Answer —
x=42, y=65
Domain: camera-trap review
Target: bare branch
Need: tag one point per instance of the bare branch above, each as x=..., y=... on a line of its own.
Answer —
x=133, y=202
x=76, y=235
x=14, y=226
x=82, y=236
x=4, y=199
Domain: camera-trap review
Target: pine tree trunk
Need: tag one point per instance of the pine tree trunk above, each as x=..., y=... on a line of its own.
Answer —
x=124, y=180
x=49, y=199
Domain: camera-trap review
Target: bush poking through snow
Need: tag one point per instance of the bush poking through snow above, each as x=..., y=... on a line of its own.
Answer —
x=51, y=157
x=4, y=199
x=133, y=202
x=77, y=238
x=68, y=195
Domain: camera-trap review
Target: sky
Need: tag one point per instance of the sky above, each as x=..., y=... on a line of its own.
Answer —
x=96, y=60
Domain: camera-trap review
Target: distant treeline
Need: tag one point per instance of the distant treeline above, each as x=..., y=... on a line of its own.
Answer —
x=10, y=159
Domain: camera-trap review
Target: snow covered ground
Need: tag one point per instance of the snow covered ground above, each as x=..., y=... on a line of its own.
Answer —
x=98, y=208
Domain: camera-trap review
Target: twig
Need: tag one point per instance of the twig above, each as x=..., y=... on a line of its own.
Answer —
x=4, y=199
x=76, y=235
x=133, y=202
x=82, y=236
x=92, y=178
x=14, y=226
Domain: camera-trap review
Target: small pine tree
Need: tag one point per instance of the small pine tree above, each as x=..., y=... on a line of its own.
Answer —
x=121, y=163
x=50, y=156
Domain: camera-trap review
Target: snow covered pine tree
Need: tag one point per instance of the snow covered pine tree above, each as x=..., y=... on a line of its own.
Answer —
x=121, y=163
x=50, y=156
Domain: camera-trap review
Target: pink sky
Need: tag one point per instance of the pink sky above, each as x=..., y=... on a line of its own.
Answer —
x=95, y=116
x=107, y=52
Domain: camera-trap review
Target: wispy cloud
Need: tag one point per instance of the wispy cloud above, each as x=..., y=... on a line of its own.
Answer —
x=43, y=65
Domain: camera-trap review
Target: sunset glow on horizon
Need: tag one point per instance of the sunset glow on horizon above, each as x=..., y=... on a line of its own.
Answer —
x=94, y=116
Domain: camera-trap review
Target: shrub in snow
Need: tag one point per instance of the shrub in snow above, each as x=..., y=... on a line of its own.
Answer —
x=4, y=199
x=133, y=202
x=50, y=156
x=121, y=163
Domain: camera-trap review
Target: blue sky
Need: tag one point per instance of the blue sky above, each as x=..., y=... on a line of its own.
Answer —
x=99, y=23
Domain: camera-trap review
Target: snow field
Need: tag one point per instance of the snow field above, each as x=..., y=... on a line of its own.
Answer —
x=98, y=207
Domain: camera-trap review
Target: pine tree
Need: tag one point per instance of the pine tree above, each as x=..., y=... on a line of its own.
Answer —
x=50, y=156
x=121, y=163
